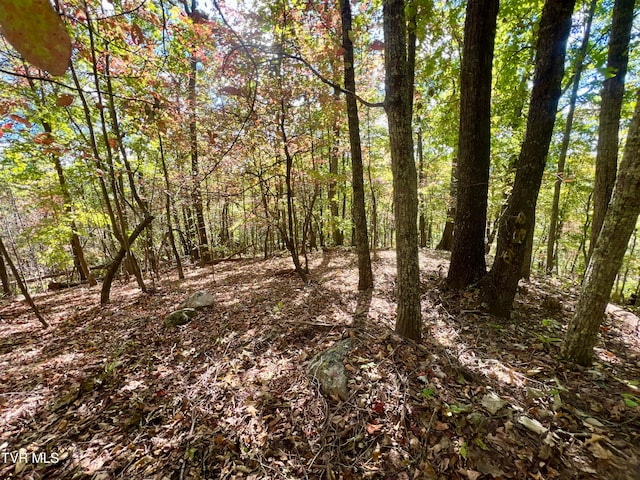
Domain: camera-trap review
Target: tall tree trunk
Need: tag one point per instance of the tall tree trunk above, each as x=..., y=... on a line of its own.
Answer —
x=608, y=254
x=288, y=229
x=422, y=222
x=167, y=207
x=610, y=107
x=76, y=247
x=446, y=241
x=21, y=285
x=336, y=232
x=555, y=206
x=365, y=276
x=196, y=190
x=468, y=263
x=399, y=106
x=500, y=284
x=4, y=277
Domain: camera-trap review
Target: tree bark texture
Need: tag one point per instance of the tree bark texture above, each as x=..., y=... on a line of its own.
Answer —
x=499, y=286
x=557, y=184
x=608, y=254
x=468, y=263
x=4, y=277
x=196, y=192
x=365, y=277
x=610, y=107
x=398, y=105
x=446, y=241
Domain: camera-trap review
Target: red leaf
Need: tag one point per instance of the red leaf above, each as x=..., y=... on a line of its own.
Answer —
x=136, y=35
x=378, y=406
x=340, y=52
x=377, y=46
x=64, y=100
x=19, y=119
x=44, y=138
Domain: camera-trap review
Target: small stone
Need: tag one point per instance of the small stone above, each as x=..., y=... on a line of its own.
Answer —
x=198, y=301
x=180, y=317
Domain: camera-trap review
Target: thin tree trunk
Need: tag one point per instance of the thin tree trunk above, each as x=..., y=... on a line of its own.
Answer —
x=336, y=231
x=446, y=242
x=557, y=185
x=468, y=263
x=608, y=254
x=610, y=108
x=365, y=276
x=4, y=277
x=500, y=284
x=422, y=223
x=399, y=106
x=21, y=285
x=167, y=205
x=117, y=261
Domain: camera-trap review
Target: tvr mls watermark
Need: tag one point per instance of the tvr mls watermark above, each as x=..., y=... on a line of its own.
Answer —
x=30, y=457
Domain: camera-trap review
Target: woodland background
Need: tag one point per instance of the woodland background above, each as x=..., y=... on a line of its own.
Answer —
x=180, y=111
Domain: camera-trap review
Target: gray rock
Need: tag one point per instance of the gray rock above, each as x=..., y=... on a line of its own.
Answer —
x=328, y=368
x=180, y=317
x=198, y=300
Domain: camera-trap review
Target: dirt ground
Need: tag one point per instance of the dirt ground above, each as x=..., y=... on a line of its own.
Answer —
x=109, y=392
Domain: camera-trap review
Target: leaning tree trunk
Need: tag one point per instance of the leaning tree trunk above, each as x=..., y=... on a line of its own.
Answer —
x=500, y=284
x=21, y=285
x=110, y=274
x=608, y=254
x=468, y=263
x=610, y=107
x=398, y=105
x=365, y=276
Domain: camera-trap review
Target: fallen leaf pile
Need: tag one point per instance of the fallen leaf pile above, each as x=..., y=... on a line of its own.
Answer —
x=109, y=392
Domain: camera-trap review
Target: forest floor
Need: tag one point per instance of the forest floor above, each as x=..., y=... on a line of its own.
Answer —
x=109, y=392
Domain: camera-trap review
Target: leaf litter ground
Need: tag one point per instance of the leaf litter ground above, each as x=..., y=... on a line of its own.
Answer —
x=111, y=393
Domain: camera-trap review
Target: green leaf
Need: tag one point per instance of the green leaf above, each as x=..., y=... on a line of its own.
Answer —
x=35, y=30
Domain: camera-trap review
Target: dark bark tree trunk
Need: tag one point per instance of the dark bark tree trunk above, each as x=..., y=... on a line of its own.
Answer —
x=468, y=263
x=365, y=276
x=610, y=107
x=446, y=241
x=422, y=222
x=202, y=251
x=500, y=284
x=557, y=185
x=336, y=232
x=399, y=106
x=21, y=285
x=196, y=190
x=167, y=208
x=608, y=254
x=4, y=277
